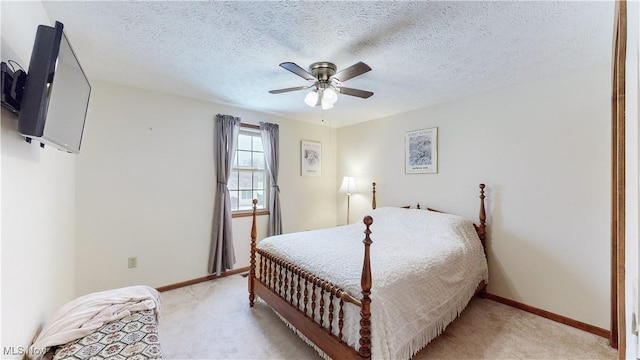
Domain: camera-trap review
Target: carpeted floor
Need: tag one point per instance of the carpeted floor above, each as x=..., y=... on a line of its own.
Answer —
x=212, y=320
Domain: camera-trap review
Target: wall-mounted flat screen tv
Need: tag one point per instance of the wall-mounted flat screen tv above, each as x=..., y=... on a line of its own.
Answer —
x=56, y=93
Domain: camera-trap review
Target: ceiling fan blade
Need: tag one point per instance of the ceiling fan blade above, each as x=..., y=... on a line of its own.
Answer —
x=294, y=68
x=280, y=91
x=354, y=92
x=351, y=72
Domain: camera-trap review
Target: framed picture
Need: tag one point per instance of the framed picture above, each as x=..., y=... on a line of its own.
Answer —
x=421, y=151
x=311, y=155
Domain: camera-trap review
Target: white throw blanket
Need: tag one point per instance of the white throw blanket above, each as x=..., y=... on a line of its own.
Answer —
x=425, y=269
x=87, y=313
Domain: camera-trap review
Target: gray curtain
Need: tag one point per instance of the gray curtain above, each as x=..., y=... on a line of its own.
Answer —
x=222, y=256
x=270, y=143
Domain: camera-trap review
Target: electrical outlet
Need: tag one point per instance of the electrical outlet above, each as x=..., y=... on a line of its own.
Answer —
x=133, y=262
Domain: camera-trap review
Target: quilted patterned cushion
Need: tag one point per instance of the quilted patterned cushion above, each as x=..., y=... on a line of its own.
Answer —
x=133, y=337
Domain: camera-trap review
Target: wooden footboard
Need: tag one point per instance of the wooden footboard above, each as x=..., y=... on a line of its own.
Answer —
x=313, y=306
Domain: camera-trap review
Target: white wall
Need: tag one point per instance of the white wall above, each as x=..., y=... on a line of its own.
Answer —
x=543, y=149
x=37, y=206
x=145, y=187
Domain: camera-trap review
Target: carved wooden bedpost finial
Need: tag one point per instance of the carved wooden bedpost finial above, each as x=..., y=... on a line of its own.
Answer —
x=482, y=217
x=365, y=283
x=373, y=202
x=252, y=261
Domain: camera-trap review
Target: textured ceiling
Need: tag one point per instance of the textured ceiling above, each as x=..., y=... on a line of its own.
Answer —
x=421, y=53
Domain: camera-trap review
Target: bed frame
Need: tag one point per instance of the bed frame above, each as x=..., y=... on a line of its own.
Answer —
x=287, y=288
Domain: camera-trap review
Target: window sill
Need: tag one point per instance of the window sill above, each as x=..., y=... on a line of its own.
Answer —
x=247, y=213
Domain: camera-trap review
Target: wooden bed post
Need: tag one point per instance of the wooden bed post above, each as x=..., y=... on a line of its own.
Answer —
x=252, y=260
x=482, y=229
x=365, y=283
x=373, y=202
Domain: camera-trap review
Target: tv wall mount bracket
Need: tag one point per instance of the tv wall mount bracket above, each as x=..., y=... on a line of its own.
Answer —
x=12, y=85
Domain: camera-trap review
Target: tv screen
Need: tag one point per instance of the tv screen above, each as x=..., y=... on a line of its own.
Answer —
x=56, y=93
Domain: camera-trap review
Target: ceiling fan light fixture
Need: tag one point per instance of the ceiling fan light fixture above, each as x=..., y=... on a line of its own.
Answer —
x=312, y=98
x=326, y=82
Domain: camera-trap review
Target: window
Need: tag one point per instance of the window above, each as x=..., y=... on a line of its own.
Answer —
x=248, y=179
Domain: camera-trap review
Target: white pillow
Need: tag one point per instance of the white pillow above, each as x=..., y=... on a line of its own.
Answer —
x=415, y=219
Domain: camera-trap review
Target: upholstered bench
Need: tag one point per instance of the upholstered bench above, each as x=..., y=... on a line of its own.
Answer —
x=114, y=324
x=132, y=337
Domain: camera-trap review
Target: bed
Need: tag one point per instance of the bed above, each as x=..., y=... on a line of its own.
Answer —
x=388, y=305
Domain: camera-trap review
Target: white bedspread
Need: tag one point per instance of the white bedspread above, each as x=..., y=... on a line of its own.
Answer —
x=425, y=269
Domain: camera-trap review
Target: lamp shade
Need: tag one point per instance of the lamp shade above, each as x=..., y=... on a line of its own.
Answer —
x=348, y=185
x=329, y=95
x=311, y=99
x=326, y=105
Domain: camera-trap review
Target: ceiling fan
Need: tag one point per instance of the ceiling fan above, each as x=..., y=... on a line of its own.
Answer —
x=326, y=82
